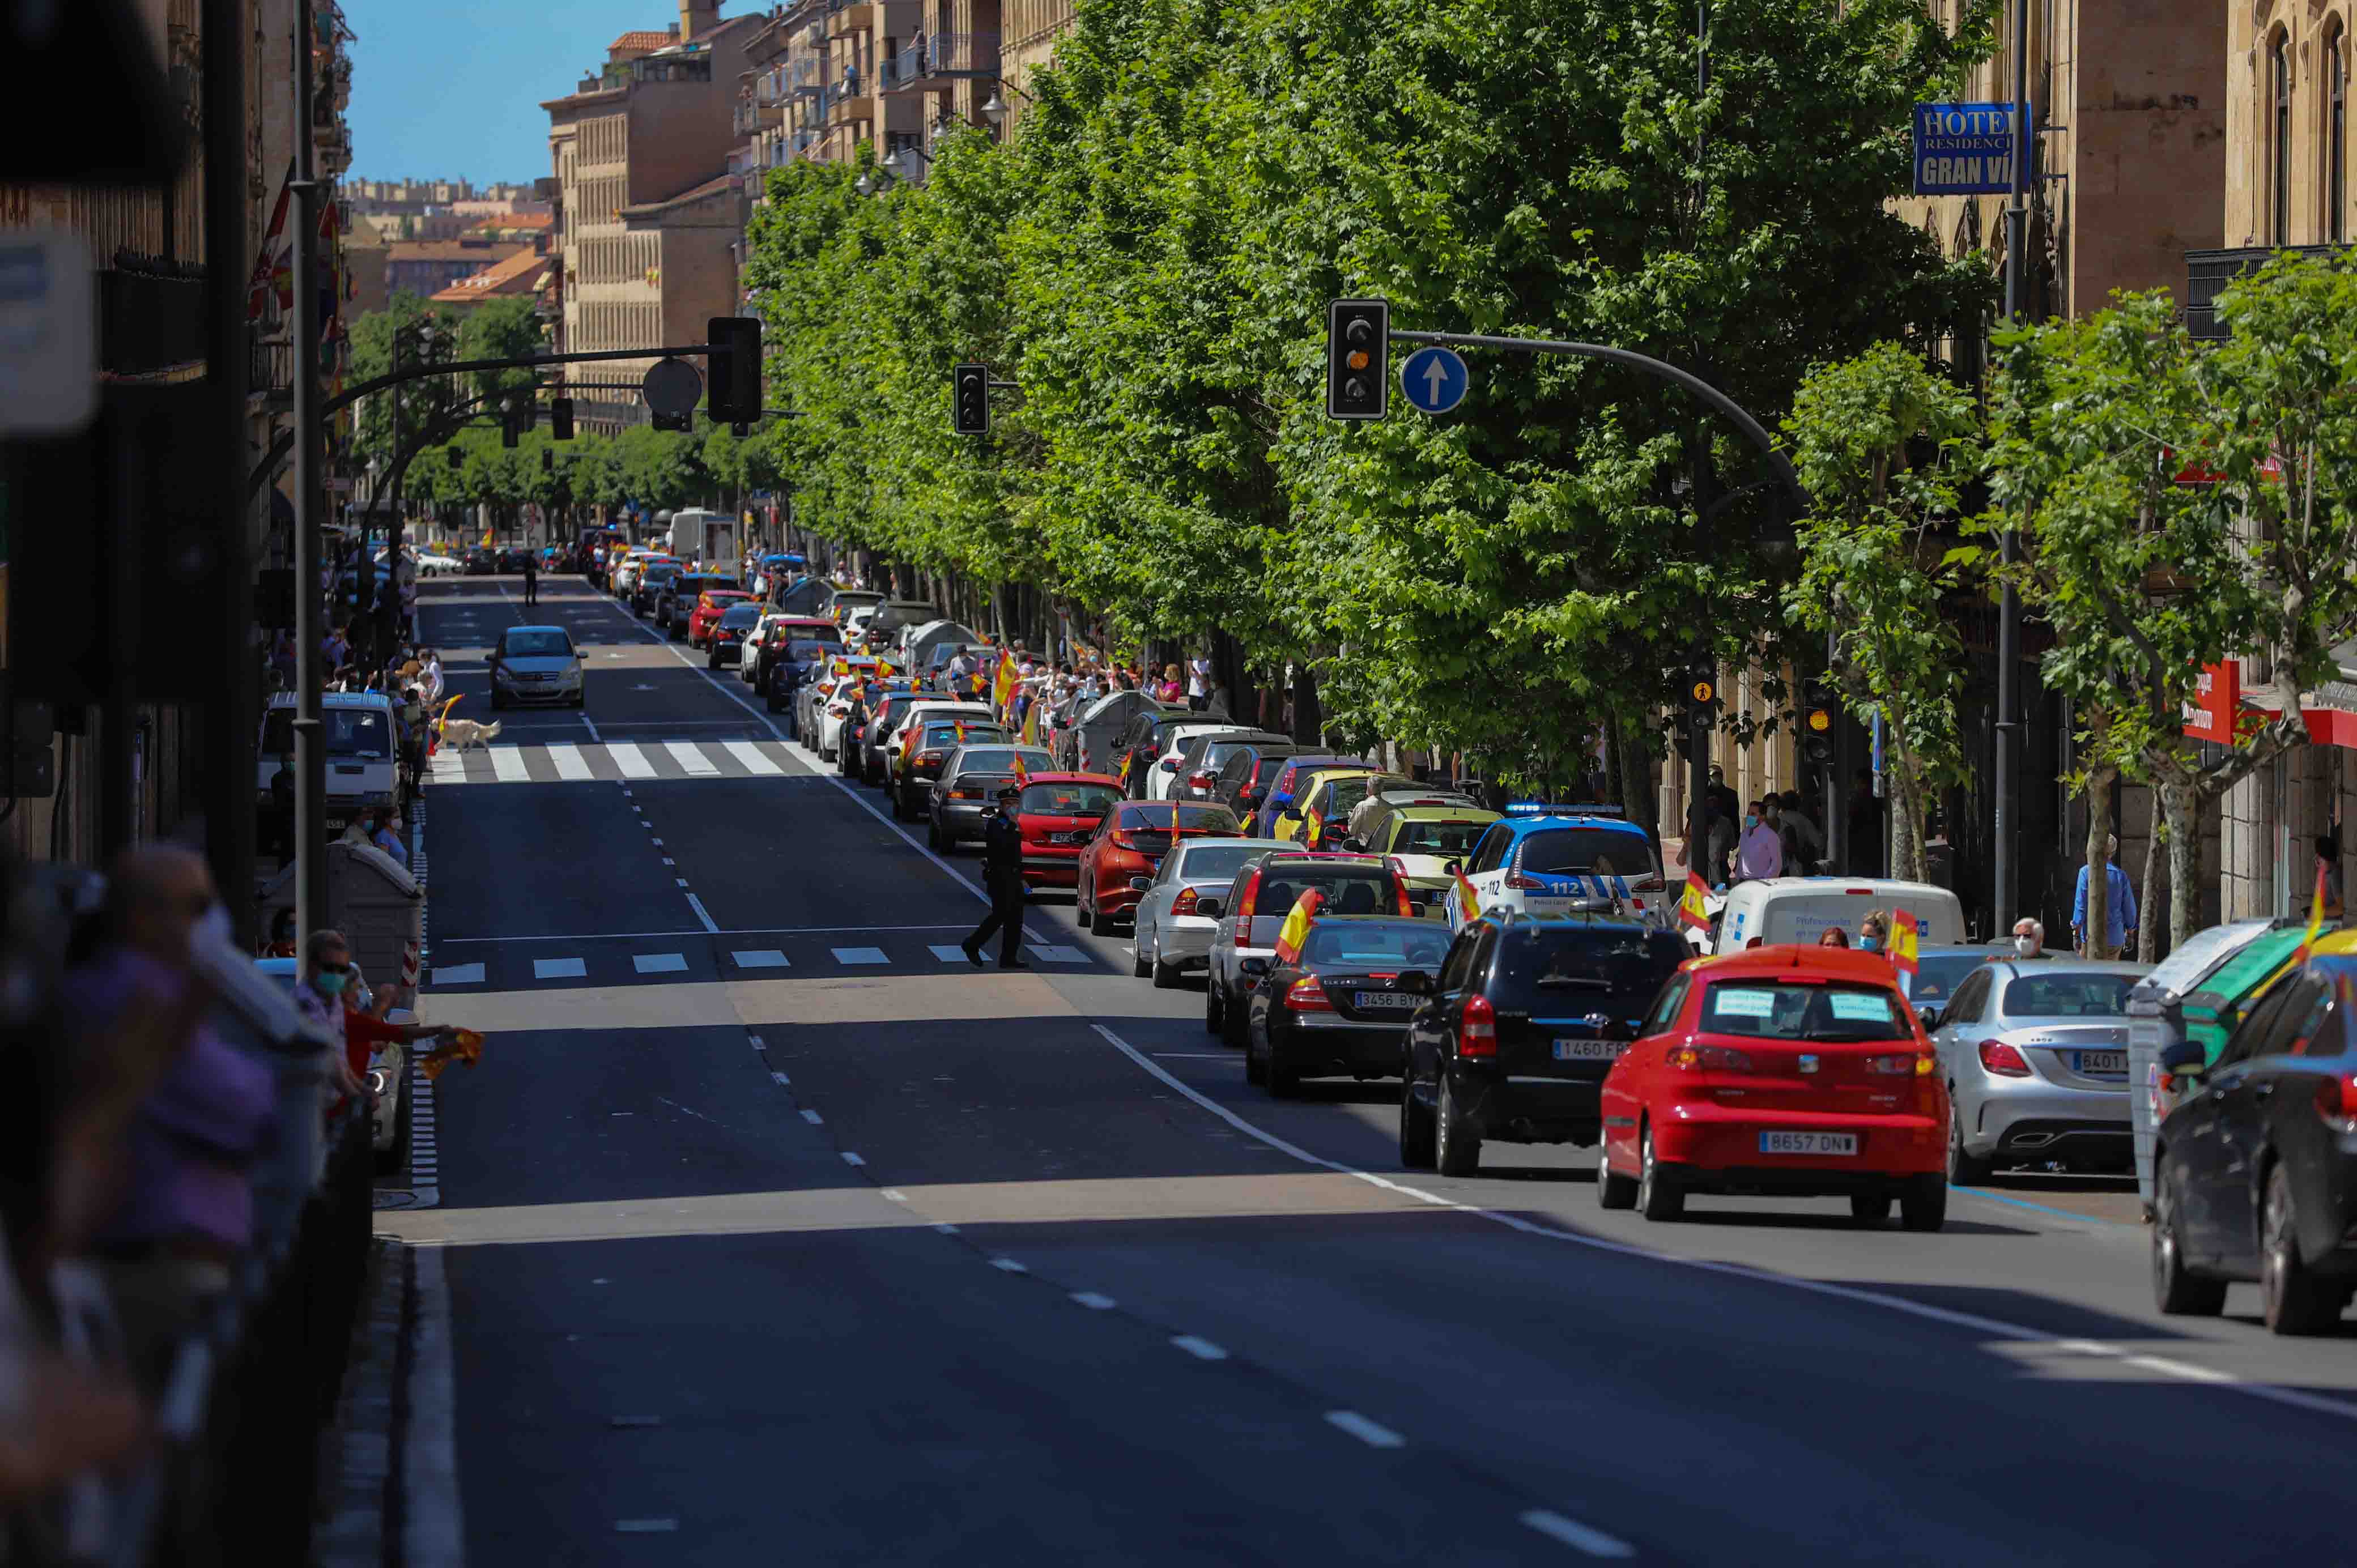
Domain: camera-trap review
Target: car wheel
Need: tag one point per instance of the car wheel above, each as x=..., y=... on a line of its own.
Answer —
x=1965, y=1168
x=1870, y=1209
x=2293, y=1300
x=1923, y=1202
x=1165, y=975
x=1456, y=1148
x=712, y=659
x=1080, y=915
x=1659, y=1195
x=933, y=834
x=2176, y=1290
x=1416, y=1132
x=1214, y=1010
x=1255, y=1070
x=1612, y=1189
x=771, y=702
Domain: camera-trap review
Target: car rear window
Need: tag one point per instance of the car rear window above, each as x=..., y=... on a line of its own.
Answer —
x=1068, y=800
x=939, y=735
x=1191, y=817
x=1351, y=887
x=742, y=615
x=1376, y=944
x=803, y=649
x=1938, y=975
x=1559, y=971
x=1348, y=791
x=1575, y=852
x=2068, y=996
x=1437, y=838
x=1793, y=1010
x=1221, y=861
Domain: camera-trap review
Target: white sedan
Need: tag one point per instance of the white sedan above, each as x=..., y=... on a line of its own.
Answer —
x=433, y=565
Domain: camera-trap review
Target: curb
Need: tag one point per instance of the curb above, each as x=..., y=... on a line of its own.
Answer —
x=357, y=1501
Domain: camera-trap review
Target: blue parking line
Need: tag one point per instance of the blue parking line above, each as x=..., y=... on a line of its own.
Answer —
x=2041, y=1207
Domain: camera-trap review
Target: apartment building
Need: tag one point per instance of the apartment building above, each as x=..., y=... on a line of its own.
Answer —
x=429, y=266
x=646, y=211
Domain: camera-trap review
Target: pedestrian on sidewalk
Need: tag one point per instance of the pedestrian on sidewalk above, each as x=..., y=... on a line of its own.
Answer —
x=2119, y=913
x=1002, y=871
x=1803, y=844
x=1759, y=852
x=2029, y=938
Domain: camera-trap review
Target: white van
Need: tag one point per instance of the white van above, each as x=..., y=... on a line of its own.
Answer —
x=364, y=752
x=1799, y=909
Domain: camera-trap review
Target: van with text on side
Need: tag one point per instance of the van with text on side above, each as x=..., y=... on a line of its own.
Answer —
x=1773, y=910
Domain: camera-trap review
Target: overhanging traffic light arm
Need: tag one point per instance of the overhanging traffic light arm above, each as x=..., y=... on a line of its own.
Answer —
x=1658, y=369
x=529, y=362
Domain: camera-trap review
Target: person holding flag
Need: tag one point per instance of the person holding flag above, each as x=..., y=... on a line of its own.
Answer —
x=1002, y=691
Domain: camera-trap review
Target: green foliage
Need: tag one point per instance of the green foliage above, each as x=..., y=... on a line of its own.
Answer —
x=423, y=403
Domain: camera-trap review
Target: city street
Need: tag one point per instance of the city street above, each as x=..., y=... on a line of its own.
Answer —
x=771, y=1230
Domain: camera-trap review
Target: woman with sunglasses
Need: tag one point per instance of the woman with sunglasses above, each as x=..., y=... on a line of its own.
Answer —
x=328, y=971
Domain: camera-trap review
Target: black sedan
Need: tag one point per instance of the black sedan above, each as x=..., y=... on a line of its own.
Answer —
x=650, y=586
x=1342, y=1008
x=482, y=562
x=727, y=643
x=2255, y=1173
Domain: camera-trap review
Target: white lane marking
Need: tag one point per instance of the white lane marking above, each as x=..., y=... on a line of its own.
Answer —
x=559, y=969
x=945, y=1228
x=657, y=842
x=570, y=763
x=755, y=1039
x=894, y=1193
x=1201, y=1350
x=711, y=926
x=1009, y=1264
x=948, y=952
x=629, y=760
x=781, y=1080
x=645, y=1526
x=507, y=762
x=859, y=955
x=814, y=1118
x=1093, y=1301
x=1374, y=1435
x=1050, y=952
x=1576, y=1535
x=752, y=757
x=736, y=931
x=459, y=974
x=692, y=760
x=433, y=1527
x=2274, y=1393
x=658, y=962
x=449, y=767
x=590, y=728
x=851, y=1159
x=759, y=958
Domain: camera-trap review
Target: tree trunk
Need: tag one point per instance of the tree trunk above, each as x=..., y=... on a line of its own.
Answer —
x=1307, y=724
x=2155, y=879
x=2096, y=923
x=1635, y=776
x=2183, y=805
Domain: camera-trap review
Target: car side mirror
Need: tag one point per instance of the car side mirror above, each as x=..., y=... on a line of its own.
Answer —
x=2187, y=1058
x=1355, y=846
x=1210, y=909
x=1255, y=967
x=1931, y=1017
x=1451, y=867
x=1139, y=885
x=1289, y=815
x=1416, y=981
x=1169, y=765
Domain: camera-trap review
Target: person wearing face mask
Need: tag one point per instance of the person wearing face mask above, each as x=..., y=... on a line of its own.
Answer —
x=328, y=972
x=2029, y=938
x=1874, y=931
x=1759, y=852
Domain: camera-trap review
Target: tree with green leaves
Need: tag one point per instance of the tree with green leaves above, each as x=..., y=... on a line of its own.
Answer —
x=1884, y=446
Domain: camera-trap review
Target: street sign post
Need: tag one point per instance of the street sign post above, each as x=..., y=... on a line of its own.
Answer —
x=1434, y=379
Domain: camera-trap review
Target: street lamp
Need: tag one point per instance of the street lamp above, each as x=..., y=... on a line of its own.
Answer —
x=993, y=108
x=865, y=185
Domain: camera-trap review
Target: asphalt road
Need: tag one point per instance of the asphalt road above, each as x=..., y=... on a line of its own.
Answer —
x=773, y=1231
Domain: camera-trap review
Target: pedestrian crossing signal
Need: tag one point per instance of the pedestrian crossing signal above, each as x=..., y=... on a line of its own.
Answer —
x=1358, y=359
x=560, y=418
x=734, y=394
x=970, y=398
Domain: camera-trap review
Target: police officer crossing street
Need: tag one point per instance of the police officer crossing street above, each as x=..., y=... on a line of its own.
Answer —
x=1002, y=872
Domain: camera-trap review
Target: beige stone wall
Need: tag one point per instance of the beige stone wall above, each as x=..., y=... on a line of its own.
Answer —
x=2308, y=34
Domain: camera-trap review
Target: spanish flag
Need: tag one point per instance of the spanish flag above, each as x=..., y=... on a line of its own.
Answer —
x=1295, y=929
x=1469, y=902
x=1022, y=774
x=961, y=734
x=1031, y=725
x=1904, y=946
x=2315, y=918
x=1004, y=688
x=843, y=666
x=1312, y=826
x=1693, y=904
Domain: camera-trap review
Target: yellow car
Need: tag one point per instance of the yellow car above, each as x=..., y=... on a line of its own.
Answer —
x=1424, y=840
x=1330, y=793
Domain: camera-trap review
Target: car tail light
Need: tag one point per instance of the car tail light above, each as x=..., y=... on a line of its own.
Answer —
x=1646, y=884
x=1306, y=994
x=1518, y=883
x=1752, y=944
x=2336, y=1102
x=2003, y=1060
x=1477, y=1031
x=965, y=795
x=1399, y=891
x=1909, y=1065
x=1709, y=1058
x=1185, y=903
x=1122, y=839
x=1250, y=894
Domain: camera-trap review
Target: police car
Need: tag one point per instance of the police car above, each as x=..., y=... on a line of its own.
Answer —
x=1548, y=860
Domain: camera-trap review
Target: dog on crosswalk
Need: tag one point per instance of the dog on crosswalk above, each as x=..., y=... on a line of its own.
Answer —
x=460, y=733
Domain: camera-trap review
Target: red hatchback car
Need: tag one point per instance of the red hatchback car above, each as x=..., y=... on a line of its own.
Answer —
x=1130, y=843
x=1059, y=814
x=709, y=606
x=1793, y=1070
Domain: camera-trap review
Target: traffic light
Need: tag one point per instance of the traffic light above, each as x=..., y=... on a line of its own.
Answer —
x=1358, y=356
x=1820, y=710
x=547, y=460
x=560, y=418
x=1702, y=699
x=733, y=393
x=970, y=387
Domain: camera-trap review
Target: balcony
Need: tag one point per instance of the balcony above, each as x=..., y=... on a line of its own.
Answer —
x=753, y=116
x=850, y=102
x=270, y=374
x=937, y=63
x=847, y=18
x=2207, y=274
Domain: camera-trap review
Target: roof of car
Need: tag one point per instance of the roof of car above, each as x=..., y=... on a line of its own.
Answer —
x=1522, y=827
x=338, y=700
x=1577, y=919
x=1074, y=778
x=1792, y=958
x=1449, y=813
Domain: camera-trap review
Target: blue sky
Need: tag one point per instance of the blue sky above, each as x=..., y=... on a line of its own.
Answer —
x=453, y=88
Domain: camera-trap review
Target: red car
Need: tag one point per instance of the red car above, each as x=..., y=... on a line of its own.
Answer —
x=709, y=606
x=1129, y=845
x=1793, y=1070
x=1059, y=814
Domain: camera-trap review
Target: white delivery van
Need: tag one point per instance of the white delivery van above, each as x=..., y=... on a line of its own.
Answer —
x=709, y=537
x=363, y=752
x=1798, y=909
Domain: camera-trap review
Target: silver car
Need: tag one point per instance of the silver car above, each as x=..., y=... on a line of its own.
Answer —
x=2035, y=1052
x=536, y=664
x=1174, y=934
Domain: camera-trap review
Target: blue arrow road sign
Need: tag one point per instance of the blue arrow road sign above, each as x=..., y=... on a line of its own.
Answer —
x=1434, y=379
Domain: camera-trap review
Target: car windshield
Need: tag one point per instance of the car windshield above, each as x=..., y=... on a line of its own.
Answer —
x=1937, y=975
x=1437, y=838
x=1791, y=1010
x=1350, y=789
x=1390, y=944
x=660, y=573
x=1068, y=800
x=535, y=645
x=360, y=732
x=1584, y=852
x=1217, y=862
x=2068, y=996
x=804, y=650
x=1158, y=814
x=1581, y=970
x=737, y=617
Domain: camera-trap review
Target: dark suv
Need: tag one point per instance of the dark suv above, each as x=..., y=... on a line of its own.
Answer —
x=1244, y=780
x=1526, y=1019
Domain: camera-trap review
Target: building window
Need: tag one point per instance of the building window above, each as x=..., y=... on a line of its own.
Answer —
x=2336, y=136
x=2279, y=143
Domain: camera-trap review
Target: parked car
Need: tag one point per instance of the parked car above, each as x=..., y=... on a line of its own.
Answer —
x=925, y=753
x=482, y=562
x=1787, y=1070
x=1189, y=753
x=1058, y=813
x=789, y=639
x=1256, y=903
x=865, y=761
x=679, y=598
x=1115, y=865
x=1276, y=795
x=710, y=605
x=965, y=794
x=2255, y=1175
x=1341, y=1007
x=1179, y=912
x=1545, y=862
x=725, y=641
x=927, y=707
x=2035, y=1057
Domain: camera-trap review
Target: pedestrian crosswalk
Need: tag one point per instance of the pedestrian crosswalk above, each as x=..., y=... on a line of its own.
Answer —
x=813, y=955
x=575, y=762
